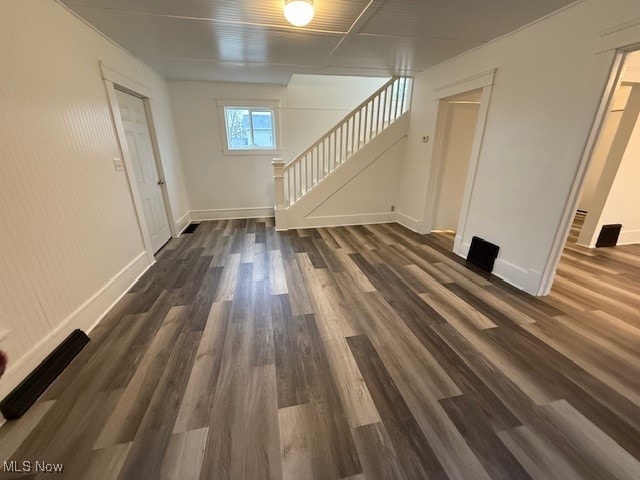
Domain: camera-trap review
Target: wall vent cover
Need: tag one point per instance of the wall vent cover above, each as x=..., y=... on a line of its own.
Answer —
x=609, y=235
x=26, y=394
x=191, y=228
x=482, y=254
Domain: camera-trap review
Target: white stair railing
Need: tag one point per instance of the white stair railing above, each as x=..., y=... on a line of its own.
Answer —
x=365, y=122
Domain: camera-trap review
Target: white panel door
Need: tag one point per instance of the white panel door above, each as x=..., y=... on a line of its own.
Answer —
x=136, y=130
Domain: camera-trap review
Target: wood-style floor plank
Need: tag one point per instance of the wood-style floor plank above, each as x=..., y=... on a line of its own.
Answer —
x=106, y=463
x=379, y=457
x=184, y=455
x=414, y=451
x=538, y=457
x=14, y=433
x=196, y=402
x=360, y=352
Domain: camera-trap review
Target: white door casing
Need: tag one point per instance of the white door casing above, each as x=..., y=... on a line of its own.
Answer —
x=138, y=143
x=482, y=81
x=461, y=119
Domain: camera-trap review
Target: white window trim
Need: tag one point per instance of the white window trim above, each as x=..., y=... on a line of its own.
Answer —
x=273, y=105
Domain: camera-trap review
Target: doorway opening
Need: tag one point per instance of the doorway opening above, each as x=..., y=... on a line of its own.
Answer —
x=458, y=117
x=607, y=209
x=116, y=83
x=462, y=113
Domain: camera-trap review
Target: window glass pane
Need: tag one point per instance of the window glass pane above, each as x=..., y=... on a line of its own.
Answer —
x=250, y=128
x=263, y=128
x=238, y=128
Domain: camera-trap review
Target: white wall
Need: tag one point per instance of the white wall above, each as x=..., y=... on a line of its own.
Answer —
x=598, y=160
x=242, y=185
x=461, y=122
x=603, y=146
x=623, y=203
x=369, y=196
x=219, y=184
x=621, y=142
x=70, y=243
x=548, y=86
x=611, y=183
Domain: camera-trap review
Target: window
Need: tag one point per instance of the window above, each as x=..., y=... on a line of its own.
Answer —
x=249, y=127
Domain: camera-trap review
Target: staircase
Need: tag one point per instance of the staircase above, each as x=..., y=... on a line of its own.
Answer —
x=364, y=134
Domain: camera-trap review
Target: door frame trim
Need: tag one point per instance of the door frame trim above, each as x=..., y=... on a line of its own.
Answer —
x=482, y=81
x=114, y=78
x=573, y=197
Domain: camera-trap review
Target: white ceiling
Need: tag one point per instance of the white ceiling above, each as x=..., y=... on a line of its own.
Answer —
x=250, y=41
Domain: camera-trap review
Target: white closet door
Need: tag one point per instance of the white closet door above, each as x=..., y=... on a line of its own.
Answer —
x=136, y=130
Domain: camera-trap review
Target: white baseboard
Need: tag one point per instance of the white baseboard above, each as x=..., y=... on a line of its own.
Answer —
x=463, y=251
x=85, y=317
x=409, y=222
x=525, y=280
x=629, y=237
x=346, y=220
x=231, y=213
x=521, y=278
x=183, y=223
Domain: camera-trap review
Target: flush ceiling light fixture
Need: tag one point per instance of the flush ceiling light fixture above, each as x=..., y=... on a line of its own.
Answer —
x=298, y=12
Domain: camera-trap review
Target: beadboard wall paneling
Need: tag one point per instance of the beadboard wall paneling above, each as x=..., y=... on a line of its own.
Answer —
x=68, y=229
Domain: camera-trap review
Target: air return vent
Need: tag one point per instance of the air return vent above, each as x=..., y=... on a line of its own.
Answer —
x=482, y=254
x=26, y=394
x=191, y=228
x=609, y=235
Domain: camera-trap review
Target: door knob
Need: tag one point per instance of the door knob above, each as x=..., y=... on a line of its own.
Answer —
x=160, y=182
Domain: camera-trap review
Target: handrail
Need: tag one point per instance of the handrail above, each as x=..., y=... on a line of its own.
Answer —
x=367, y=120
x=343, y=120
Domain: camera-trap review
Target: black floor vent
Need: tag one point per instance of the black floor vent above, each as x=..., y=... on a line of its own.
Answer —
x=609, y=235
x=191, y=228
x=482, y=254
x=24, y=395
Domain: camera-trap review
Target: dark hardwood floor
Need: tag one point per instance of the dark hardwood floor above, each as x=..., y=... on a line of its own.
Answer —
x=352, y=352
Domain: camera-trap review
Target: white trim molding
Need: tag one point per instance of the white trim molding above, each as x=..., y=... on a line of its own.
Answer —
x=346, y=220
x=571, y=204
x=411, y=223
x=182, y=223
x=128, y=166
x=474, y=162
x=113, y=77
x=85, y=317
x=148, y=108
x=467, y=84
x=629, y=237
x=118, y=77
x=622, y=35
x=231, y=213
x=485, y=81
x=267, y=104
x=620, y=27
x=521, y=278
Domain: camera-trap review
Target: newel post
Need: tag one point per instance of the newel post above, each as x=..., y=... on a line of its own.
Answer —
x=278, y=183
